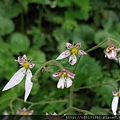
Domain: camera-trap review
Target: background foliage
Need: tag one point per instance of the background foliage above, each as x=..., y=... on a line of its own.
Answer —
x=40, y=29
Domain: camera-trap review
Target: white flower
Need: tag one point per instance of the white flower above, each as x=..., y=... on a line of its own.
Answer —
x=25, y=114
x=19, y=75
x=72, y=51
x=64, y=80
x=53, y=116
x=111, y=52
x=115, y=102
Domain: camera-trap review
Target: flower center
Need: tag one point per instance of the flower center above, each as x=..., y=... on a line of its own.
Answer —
x=63, y=75
x=25, y=113
x=74, y=51
x=118, y=94
x=54, y=119
x=110, y=49
x=25, y=64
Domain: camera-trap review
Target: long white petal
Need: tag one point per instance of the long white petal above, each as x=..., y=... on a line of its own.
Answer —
x=64, y=54
x=68, y=82
x=115, y=104
x=61, y=83
x=28, y=84
x=16, y=79
x=72, y=59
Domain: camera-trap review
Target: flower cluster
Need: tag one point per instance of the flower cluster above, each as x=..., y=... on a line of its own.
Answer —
x=111, y=53
x=64, y=75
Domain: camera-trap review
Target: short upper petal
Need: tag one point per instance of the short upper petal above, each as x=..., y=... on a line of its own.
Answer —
x=61, y=83
x=78, y=45
x=24, y=58
x=71, y=75
x=16, y=79
x=68, y=82
x=81, y=52
x=31, y=65
x=69, y=45
x=28, y=84
x=72, y=59
x=64, y=54
x=115, y=105
x=57, y=75
x=114, y=93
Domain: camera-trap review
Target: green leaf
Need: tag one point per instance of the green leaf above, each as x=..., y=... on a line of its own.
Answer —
x=6, y=26
x=19, y=43
x=100, y=36
x=3, y=45
x=88, y=71
x=64, y=3
x=11, y=10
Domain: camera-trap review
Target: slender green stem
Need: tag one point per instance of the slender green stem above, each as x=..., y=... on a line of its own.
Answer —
x=83, y=111
x=106, y=83
x=72, y=87
x=64, y=111
x=46, y=102
x=115, y=41
x=51, y=62
x=71, y=95
x=97, y=46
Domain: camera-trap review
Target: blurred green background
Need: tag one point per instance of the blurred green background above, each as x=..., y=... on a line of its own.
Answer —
x=40, y=29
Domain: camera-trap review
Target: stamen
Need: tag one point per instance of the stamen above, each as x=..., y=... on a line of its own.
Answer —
x=25, y=113
x=64, y=75
x=25, y=64
x=74, y=51
x=118, y=94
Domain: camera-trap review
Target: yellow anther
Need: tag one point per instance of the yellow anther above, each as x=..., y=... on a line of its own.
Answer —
x=25, y=113
x=74, y=51
x=118, y=94
x=64, y=75
x=55, y=118
x=25, y=64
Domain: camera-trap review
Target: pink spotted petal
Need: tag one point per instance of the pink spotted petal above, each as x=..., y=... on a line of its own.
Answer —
x=21, y=60
x=31, y=65
x=64, y=71
x=69, y=45
x=24, y=110
x=114, y=93
x=30, y=112
x=78, y=45
x=72, y=59
x=81, y=52
x=24, y=58
x=64, y=54
x=71, y=75
x=57, y=75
